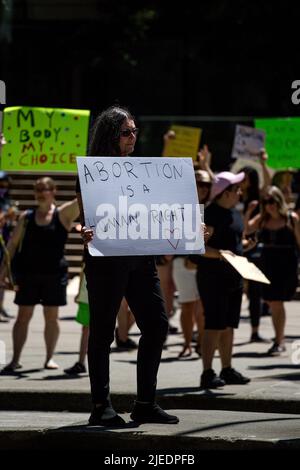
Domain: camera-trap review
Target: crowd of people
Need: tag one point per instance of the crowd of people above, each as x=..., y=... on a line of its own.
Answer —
x=248, y=217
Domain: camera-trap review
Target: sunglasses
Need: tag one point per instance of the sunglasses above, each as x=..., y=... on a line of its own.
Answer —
x=270, y=200
x=128, y=132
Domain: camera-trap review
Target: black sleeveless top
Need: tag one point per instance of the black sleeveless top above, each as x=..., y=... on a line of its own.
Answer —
x=279, y=262
x=41, y=248
x=282, y=238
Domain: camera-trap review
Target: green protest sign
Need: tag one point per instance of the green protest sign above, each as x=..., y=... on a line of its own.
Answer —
x=282, y=141
x=44, y=139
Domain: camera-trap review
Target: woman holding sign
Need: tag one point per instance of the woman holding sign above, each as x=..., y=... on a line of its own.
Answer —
x=220, y=285
x=37, y=249
x=109, y=279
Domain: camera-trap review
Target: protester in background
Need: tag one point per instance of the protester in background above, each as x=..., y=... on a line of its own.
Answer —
x=251, y=191
x=37, y=244
x=279, y=233
x=9, y=212
x=220, y=285
x=109, y=279
x=3, y=317
x=283, y=180
x=184, y=272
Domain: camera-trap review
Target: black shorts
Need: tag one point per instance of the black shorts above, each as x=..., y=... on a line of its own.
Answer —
x=222, y=300
x=45, y=289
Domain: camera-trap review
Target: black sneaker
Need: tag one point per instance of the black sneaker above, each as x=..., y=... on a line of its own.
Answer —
x=209, y=379
x=77, y=369
x=105, y=415
x=128, y=344
x=233, y=377
x=151, y=413
x=276, y=349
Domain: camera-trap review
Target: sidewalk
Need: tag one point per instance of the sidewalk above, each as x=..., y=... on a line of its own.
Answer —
x=197, y=431
x=274, y=386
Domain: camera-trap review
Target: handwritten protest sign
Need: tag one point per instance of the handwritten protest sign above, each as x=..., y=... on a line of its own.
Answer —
x=246, y=269
x=185, y=143
x=282, y=141
x=44, y=139
x=247, y=142
x=140, y=206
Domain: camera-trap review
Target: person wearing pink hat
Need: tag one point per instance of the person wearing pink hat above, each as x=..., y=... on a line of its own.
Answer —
x=220, y=285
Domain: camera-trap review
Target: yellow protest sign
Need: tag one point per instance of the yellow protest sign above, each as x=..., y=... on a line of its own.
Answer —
x=44, y=139
x=184, y=144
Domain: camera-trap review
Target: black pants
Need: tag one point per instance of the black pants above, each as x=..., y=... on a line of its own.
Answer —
x=255, y=302
x=108, y=280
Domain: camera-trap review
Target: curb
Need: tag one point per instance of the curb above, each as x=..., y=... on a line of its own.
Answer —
x=28, y=400
x=82, y=438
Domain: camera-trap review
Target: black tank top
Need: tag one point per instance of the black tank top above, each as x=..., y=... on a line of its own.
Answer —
x=283, y=238
x=42, y=246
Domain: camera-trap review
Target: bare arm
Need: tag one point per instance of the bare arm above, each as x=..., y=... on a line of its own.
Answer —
x=68, y=212
x=204, y=159
x=87, y=234
x=169, y=135
x=247, y=217
x=266, y=174
x=13, y=244
x=253, y=224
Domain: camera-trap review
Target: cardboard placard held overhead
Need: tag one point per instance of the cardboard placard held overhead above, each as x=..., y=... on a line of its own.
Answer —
x=244, y=267
x=248, y=142
x=44, y=139
x=185, y=143
x=282, y=141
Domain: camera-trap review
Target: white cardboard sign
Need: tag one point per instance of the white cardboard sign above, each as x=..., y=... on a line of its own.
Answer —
x=141, y=206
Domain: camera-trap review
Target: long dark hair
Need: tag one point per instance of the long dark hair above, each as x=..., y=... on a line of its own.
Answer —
x=253, y=190
x=105, y=133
